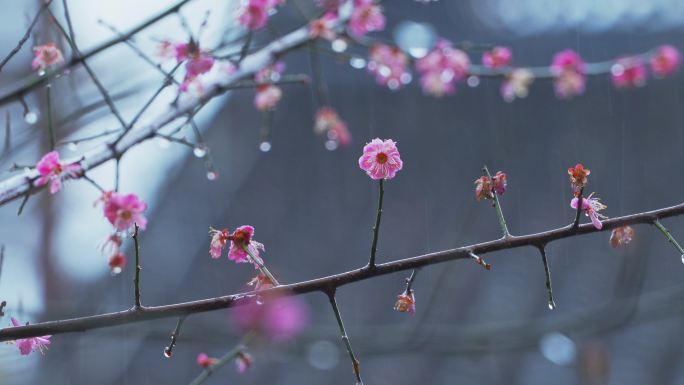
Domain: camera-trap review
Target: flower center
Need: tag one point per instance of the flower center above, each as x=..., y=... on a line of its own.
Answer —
x=125, y=215
x=381, y=158
x=241, y=237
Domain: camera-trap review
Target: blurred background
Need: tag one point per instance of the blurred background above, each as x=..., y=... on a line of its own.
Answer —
x=619, y=312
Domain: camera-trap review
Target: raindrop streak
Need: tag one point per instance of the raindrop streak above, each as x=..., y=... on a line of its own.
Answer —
x=167, y=352
x=265, y=146
x=30, y=117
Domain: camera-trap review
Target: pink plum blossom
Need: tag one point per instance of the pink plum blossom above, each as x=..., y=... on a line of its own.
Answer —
x=389, y=65
x=197, y=61
x=592, y=208
x=243, y=361
x=28, y=345
x=219, y=239
x=366, y=17
x=254, y=13
x=628, y=72
x=117, y=262
x=568, y=69
x=578, y=177
x=52, y=170
x=241, y=238
x=329, y=122
x=406, y=303
x=516, y=84
x=267, y=97
x=497, y=58
x=46, y=56
x=321, y=28
x=486, y=187
x=380, y=159
x=277, y=318
x=665, y=61
x=205, y=361
x=441, y=68
x=123, y=211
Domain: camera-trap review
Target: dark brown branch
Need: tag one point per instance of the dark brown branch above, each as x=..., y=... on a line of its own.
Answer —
x=325, y=284
x=136, y=279
x=26, y=35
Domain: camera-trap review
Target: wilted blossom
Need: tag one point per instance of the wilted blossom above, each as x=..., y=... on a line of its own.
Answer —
x=592, y=208
x=28, y=345
x=243, y=361
x=381, y=159
x=267, y=97
x=277, y=318
x=389, y=65
x=46, y=56
x=665, y=61
x=621, y=236
x=406, y=303
x=241, y=238
x=569, y=72
x=321, y=28
x=123, y=211
x=261, y=282
x=253, y=14
x=628, y=72
x=111, y=244
x=219, y=239
x=52, y=170
x=516, y=84
x=328, y=122
x=441, y=68
x=498, y=57
x=366, y=17
x=578, y=177
x=117, y=262
x=486, y=187
x=205, y=361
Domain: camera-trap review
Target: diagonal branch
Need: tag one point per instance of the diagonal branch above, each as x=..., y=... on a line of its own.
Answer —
x=326, y=284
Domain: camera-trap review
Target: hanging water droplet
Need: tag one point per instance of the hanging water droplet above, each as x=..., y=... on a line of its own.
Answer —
x=167, y=352
x=212, y=175
x=200, y=151
x=265, y=146
x=552, y=305
x=72, y=146
x=339, y=45
x=331, y=145
x=30, y=117
x=357, y=62
x=41, y=72
x=682, y=258
x=116, y=270
x=473, y=81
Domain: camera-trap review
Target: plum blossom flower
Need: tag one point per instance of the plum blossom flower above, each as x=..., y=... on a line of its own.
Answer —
x=621, y=236
x=578, y=177
x=117, y=262
x=568, y=69
x=381, y=159
x=254, y=13
x=123, y=211
x=389, y=65
x=516, y=84
x=441, y=68
x=277, y=318
x=592, y=208
x=205, y=361
x=261, y=282
x=197, y=61
x=267, y=97
x=366, y=17
x=486, y=187
x=243, y=361
x=239, y=240
x=497, y=58
x=52, y=170
x=628, y=72
x=219, y=238
x=321, y=28
x=28, y=345
x=406, y=303
x=665, y=61
x=329, y=122
x=45, y=56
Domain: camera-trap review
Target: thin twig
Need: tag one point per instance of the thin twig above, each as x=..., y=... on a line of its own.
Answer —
x=345, y=338
x=580, y=198
x=233, y=353
x=26, y=36
x=669, y=237
x=480, y=261
x=168, y=351
x=547, y=275
x=136, y=280
x=257, y=261
x=51, y=130
x=376, y=228
x=497, y=205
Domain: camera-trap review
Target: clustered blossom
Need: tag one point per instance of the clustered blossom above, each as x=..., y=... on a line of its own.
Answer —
x=205, y=361
x=628, y=72
x=123, y=211
x=441, y=68
x=239, y=240
x=52, y=170
x=243, y=361
x=253, y=14
x=268, y=95
x=621, y=236
x=197, y=61
x=578, y=177
x=570, y=77
x=665, y=61
x=328, y=122
x=497, y=58
x=516, y=84
x=366, y=17
x=592, y=208
x=406, y=302
x=389, y=65
x=45, y=56
x=28, y=345
x=321, y=28
x=486, y=187
x=381, y=159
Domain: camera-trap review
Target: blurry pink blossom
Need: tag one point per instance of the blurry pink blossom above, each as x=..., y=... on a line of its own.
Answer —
x=205, y=361
x=321, y=28
x=366, y=17
x=277, y=318
x=498, y=57
x=516, y=84
x=328, y=122
x=592, y=208
x=254, y=13
x=628, y=72
x=380, y=159
x=28, y=345
x=166, y=50
x=52, y=170
x=270, y=73
x=243, y=361
x=124, y=210
x=568, y=69
x=117, y=262
x=261, y=282
x=441, y=68
x=267, y=97
x=46, y=56
x=665, y=61
x=389, y=65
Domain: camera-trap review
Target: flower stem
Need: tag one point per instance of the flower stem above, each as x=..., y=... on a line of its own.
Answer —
x=168, y=351
x=497, y=205
x=480, y=261
x=409, y=280
x=136, y=280
x=51, y=130
x=345, y=338
x=547, y=274
x=257, y=261
x=669, y=237
x=231, y=354
x=376, y=228
x=580, y=197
